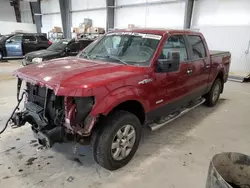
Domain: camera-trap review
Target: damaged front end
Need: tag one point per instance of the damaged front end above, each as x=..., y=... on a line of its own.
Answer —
x=54, y=118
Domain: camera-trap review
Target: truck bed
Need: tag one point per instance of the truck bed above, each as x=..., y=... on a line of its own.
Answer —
x=218, y=53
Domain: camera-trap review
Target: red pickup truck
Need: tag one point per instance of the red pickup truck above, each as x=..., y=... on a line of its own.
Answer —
x=125, y=80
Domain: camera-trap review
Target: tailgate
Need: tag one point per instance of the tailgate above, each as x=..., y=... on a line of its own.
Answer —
x=222, y=57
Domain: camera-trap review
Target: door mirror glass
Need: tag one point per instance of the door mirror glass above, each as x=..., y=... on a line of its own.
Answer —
x=171, y=64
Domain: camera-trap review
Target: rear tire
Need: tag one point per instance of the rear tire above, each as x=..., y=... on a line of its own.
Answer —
x=213, y=95
x=117, y=139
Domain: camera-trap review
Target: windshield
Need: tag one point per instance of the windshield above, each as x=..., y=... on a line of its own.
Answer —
x=125, y=48
x=58, y=46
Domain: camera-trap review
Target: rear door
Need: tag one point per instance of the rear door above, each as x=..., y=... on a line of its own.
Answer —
x=14, y=46
x=43, y=41
x=199, y=66
x=29, y=44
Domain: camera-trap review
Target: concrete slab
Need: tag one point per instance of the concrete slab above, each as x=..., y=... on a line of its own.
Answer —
x=7, y=69
x=175, y=156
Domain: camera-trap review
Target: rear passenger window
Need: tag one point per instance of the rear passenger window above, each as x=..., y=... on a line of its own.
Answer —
x=29, y=38
x=42, y=38
x=174, y=44
x=197, y=47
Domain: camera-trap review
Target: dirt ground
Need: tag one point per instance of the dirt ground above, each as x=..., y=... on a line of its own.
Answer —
x=175, y=156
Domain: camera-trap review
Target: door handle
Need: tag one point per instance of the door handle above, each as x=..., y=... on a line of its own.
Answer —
x=189, y=71
x=207, y=66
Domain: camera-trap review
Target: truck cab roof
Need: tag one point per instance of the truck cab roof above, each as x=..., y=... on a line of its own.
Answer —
x=157, y=31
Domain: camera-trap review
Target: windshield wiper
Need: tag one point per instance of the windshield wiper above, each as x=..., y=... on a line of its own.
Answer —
x=112, y=57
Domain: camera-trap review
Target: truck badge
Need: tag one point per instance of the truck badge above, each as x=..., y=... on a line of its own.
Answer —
x=145, y=81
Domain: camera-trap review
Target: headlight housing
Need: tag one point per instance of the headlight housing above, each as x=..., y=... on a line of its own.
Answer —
x=37, y=60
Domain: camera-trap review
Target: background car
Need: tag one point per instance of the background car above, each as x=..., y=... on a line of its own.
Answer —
x=17, y=45
x=62, y=48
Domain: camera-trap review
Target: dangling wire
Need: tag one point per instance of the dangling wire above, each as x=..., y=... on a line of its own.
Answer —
x=16, y=108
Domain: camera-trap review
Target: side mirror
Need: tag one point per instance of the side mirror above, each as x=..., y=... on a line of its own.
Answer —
x=171, y=64
x=9, y=41
x=67, y=50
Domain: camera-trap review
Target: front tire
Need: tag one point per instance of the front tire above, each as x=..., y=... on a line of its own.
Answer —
x=213, y=95
x=117, y=140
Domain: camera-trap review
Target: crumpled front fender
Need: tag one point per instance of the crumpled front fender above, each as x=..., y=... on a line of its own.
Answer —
x=116, y=97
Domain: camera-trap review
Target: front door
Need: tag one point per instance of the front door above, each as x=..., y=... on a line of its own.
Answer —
x=172, y=87
x=14, y=46
x=29, y=44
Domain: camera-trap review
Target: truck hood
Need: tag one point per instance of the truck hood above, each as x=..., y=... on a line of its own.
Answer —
x=42, y=54
x=72, y=72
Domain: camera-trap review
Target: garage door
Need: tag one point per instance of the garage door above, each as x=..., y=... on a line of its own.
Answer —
x=166, y=15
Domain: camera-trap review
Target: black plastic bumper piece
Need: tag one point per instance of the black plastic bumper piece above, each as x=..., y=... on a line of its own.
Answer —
x=50, y=137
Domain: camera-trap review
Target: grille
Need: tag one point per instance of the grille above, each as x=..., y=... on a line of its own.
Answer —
x=37, y=95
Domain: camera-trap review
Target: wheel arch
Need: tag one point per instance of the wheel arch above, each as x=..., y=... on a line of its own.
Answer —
x=1, y=51
x=220, y=76
x=134, y=107
x=125, y=98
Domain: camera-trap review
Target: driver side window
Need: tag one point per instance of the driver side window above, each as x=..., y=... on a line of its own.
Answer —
x=174, y=43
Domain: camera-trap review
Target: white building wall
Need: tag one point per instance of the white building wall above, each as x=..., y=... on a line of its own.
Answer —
x=51, y=15
x=8, y=22
x=98, y=16
x=221, y=13
x=129, y=2
x=7, y=12
x=50, y=6
x=9, y=27
x=87, y=4
x=167, y=15
x=226, y=26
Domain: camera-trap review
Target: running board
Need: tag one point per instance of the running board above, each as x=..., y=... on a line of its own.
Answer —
x=172, y=117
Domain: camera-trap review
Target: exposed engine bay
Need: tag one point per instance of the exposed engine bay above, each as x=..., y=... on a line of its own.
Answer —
x=53, y=118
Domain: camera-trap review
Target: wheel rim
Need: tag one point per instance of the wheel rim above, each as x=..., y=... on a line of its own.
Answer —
x=216, y=92
x=123, y=142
